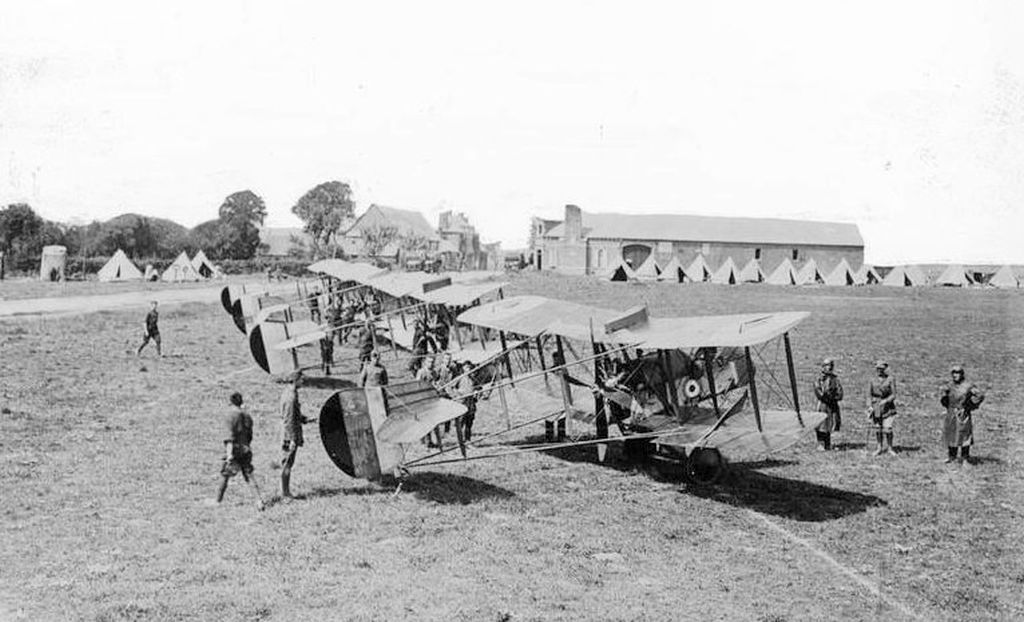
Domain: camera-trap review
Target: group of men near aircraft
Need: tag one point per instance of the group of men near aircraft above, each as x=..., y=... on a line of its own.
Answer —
x=958, y=396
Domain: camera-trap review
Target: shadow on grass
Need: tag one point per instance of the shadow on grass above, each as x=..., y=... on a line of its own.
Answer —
x=906, y=449
x=787, y=498
x=977, y=460
x=443, y=488
x=848, y=446
x=320, y=381
x=744, y=486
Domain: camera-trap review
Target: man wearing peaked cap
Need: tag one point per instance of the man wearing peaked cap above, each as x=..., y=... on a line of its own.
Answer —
x=882, y=407
x=829, y=392
x=960, y=398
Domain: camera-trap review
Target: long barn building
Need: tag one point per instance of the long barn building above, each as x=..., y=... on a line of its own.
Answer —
x=586, y=243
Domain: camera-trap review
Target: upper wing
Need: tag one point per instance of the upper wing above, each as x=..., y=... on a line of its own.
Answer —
x=345, y=270
x=401, y=284
x=533, y=315
x=461, y=294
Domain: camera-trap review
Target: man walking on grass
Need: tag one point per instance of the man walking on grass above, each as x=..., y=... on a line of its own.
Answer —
x=152, y=330
x=238, y=451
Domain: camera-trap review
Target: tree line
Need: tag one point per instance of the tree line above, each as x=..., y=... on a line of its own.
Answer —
x=234, y=234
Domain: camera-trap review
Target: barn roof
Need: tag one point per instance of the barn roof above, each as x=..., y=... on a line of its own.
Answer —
x=405, y=220
x=690, y=228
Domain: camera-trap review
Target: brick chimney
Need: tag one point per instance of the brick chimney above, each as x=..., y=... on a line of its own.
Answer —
x=573, y=224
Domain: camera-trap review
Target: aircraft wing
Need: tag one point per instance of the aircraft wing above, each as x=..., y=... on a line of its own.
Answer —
x=461, y=294
x=533, y=315
x=401, y=284
x=346, y=270
x=476, y=276
x=268, y=312
x=302, y=339
x=738, y=437
x=409, y=424
x=689, y=332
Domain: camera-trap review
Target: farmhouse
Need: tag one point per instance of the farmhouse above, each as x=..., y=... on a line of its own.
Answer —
x=587, y=243
x=383, y=231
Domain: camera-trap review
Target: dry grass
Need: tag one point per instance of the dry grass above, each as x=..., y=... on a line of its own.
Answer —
x=21, y=288
x=103, y=467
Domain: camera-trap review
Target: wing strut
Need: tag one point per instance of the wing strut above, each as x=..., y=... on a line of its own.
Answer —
x=753, y=390
x=566, y=389
x=508, y=362
x=792, y=377
x=709, y=367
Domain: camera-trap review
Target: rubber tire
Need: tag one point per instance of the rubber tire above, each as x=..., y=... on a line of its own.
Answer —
x=705, y=466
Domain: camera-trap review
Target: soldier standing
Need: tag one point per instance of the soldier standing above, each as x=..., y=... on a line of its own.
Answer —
x=960, y=399
x=882, y=407
x=291, y=437
x=466, y=390
x=152, y=330
x=238, y=451
x=367, y=342
x=829, y=392
x=373, y=373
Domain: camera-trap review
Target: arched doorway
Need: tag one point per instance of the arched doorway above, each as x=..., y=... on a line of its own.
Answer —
x=635, y=254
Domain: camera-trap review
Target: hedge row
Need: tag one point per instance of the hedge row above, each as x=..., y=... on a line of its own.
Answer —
x=76, y=267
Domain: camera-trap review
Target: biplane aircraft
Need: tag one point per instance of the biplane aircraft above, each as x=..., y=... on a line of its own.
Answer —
x=276, y=329
x=699, y=391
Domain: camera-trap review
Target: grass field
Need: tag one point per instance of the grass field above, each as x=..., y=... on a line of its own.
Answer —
x=105, y=462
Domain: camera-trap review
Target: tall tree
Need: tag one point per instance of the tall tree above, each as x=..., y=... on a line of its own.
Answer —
x=241, y=215
x=209, y=237
x=324, y=210
x=19, y=224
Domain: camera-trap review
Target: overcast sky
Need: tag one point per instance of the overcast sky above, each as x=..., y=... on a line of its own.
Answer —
x=904, y=117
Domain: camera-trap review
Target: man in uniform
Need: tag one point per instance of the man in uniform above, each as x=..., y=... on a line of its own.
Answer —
x=439, y=333
x=291, y=436
x=373, y=373
x=882, y=407
x=829, y=392
x=367, y=342
x=237, y=450
x=348, y=316
x=444, y=373
x=960, y=399
x=466, y=391
x=152, y=330
x=313, y=302
x=326, y=353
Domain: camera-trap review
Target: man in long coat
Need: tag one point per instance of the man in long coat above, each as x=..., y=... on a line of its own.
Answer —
x=829, y=392
x=960, y=399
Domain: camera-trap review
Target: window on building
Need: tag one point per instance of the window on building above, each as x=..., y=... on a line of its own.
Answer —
x=796, y=254
x=705, y=249
x=757, y=253
x=600, y=258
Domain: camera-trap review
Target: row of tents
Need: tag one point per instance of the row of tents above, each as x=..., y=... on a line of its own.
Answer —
x=120, y=268
x=808, y=274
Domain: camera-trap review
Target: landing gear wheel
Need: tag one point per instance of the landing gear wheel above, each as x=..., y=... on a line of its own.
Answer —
x=705, y=466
